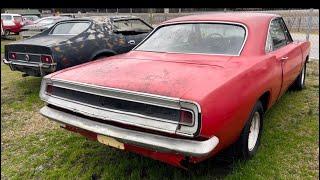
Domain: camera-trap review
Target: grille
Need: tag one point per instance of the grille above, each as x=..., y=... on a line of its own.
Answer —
x=118, y=104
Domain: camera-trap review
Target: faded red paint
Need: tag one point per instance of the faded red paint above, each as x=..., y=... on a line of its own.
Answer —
x=226, y=87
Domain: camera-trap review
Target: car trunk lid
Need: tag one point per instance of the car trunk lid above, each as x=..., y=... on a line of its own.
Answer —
x=155, y=73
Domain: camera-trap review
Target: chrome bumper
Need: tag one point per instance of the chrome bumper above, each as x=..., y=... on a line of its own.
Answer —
x=38, y=66
x=142, y=139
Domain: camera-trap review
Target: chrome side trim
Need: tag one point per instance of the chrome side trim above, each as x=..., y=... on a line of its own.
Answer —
x=189, y=22
x=142, y=139
x=123, y=116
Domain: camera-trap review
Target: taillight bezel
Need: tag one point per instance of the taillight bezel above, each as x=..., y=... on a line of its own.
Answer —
x=45, y=61
x=10, y=56
x=50, y=87
x=192, y=117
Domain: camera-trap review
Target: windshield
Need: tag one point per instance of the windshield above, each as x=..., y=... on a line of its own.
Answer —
x=208, y=38
x=70, y=28
x=6, y=17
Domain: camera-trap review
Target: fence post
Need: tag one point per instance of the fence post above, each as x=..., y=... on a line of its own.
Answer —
x=309, y=24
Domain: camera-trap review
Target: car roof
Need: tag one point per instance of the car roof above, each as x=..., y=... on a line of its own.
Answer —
x=103, y=19
x=256, y=25
x=239, y=17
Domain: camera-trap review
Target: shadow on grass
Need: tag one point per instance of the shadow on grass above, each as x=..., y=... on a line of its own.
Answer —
x=20, y=91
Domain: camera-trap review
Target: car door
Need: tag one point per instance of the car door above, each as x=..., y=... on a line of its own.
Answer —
x=287, y=52
x=134, y=31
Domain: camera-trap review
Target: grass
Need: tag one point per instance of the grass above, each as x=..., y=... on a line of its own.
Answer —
x=34, y=147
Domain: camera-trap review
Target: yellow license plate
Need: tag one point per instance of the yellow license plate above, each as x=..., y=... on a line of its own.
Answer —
x=110, y=141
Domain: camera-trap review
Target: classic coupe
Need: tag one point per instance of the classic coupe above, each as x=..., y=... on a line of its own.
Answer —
x=195, y=86
x=75, y=41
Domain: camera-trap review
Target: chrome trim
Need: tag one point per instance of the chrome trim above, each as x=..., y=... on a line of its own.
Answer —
x=135, y=119
x=142, y=139
x=189, y=22
x=269, y=36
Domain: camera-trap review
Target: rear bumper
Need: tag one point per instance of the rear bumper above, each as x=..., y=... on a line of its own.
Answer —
x=141, y=139
x=43, y=69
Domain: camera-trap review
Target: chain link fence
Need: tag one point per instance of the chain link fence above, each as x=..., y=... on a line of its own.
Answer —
x=302, y=24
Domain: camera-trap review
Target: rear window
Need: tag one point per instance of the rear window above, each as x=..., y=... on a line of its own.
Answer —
x=208, y=38
x=71, y=28
x=6, y=17
x=130, y=25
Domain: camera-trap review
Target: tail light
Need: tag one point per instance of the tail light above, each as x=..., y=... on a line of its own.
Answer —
x=12, y=56
x=49, y=89
x=186, y=117
x=46, y=59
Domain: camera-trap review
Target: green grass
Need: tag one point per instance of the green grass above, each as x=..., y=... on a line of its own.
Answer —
x=34, y=147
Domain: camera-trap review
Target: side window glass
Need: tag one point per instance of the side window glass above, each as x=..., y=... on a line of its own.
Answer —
x=277, y=35
x=288, y=36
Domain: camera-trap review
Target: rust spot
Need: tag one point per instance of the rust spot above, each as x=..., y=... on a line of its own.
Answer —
x=110, y=45
x=121, y=41
x=57, y=49
x=65, y=62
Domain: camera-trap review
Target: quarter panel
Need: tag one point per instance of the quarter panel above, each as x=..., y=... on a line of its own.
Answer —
x=226, y=109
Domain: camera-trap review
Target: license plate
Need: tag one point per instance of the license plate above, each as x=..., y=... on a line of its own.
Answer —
x=110, y=142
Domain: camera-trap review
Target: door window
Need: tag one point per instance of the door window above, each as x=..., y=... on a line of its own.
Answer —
x=277, y=34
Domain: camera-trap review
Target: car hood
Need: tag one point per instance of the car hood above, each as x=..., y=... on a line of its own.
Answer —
x=46, y=40
x=155, y=73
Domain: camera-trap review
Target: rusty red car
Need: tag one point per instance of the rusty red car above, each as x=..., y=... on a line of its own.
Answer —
x=193, y=87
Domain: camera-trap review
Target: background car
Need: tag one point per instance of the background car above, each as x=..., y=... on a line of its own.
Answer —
x=29, y=19
x=12, y=23
x=75, y=41
x=40, y=25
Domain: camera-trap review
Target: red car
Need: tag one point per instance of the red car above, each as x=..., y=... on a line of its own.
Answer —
x=12, y=23
x=195, y=86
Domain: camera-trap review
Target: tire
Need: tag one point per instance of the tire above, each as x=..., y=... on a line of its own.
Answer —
x=249, y=139
x=6, y=32
x=299, y=83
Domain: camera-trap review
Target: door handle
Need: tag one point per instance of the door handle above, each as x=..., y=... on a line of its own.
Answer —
x=131, y=42
x=284, y=58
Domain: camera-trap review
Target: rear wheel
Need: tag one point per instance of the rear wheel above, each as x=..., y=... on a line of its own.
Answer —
x=299, y=83
x=6, y=32
x=249, y=140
